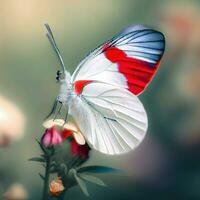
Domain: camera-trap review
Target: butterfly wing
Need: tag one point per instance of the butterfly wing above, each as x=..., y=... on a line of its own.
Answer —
x=129, y=60
x=112, y=119
x=106, y=84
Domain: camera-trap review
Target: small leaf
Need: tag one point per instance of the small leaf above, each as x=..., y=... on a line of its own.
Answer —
x=80, y=182
x=82, y=185
x=37, y=159
x=42, y=177
x=98, y=169
x=92, y=179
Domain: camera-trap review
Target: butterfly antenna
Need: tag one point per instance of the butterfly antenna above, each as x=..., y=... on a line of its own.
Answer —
x=51, y=39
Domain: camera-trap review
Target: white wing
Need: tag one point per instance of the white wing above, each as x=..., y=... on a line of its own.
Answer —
x=113, y=120
x=129, y=60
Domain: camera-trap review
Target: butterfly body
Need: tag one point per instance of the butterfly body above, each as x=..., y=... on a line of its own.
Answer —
x=102, y=93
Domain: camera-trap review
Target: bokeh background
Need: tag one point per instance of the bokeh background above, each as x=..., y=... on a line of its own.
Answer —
x=167, y=164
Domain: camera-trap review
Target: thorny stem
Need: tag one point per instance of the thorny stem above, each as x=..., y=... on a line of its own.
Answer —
x=46, y=180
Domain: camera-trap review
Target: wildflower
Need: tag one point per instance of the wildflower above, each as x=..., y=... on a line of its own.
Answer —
x=81, y=151
x=12, y=122
x=16, y=192
x=79, y=147
x=181, y=25
x=53, y=122
x=67, y=130
x=66, y=133
x=4, y=140
x=71, y=129
x=51, y=137
x=56, y=187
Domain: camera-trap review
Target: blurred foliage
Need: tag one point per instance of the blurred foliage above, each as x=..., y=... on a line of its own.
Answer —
x=167, y=164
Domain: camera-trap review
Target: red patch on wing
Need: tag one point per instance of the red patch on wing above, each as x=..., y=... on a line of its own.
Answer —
x=138, y=73
x=79, y=85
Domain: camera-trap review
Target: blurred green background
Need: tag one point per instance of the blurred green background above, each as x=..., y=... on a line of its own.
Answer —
x=167, y=164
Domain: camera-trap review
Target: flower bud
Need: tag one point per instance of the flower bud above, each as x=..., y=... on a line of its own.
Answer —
x=51, y=137
x=81, y=151
x=66, y=133
x=56, y=187
x=16, y=192
x=12, y=122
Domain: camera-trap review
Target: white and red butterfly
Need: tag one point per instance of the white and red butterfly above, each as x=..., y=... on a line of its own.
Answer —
x=102, y=94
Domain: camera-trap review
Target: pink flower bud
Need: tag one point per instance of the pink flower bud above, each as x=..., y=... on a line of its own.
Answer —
x=51, y=137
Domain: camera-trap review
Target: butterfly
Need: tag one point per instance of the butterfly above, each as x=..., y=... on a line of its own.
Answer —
x=102, y=93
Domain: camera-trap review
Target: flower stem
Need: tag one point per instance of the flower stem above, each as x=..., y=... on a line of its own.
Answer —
x=62, y=196
x=46, y=180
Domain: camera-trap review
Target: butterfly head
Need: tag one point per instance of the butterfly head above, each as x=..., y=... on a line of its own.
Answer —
x=64, y=95
x=59, y=76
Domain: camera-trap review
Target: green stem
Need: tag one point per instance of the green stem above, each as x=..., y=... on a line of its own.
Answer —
x=62, y=196
x=46, y=180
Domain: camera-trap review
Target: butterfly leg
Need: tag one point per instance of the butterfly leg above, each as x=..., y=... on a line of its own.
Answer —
x=53, y=109
x=58, y=113
x=66, y=116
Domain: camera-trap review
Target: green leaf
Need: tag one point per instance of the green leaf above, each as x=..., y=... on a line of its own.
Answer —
x=91, y=179
x=98, y=169
x=37, y=159
x=80, y=182
x=42, y=177
x=82, y=185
